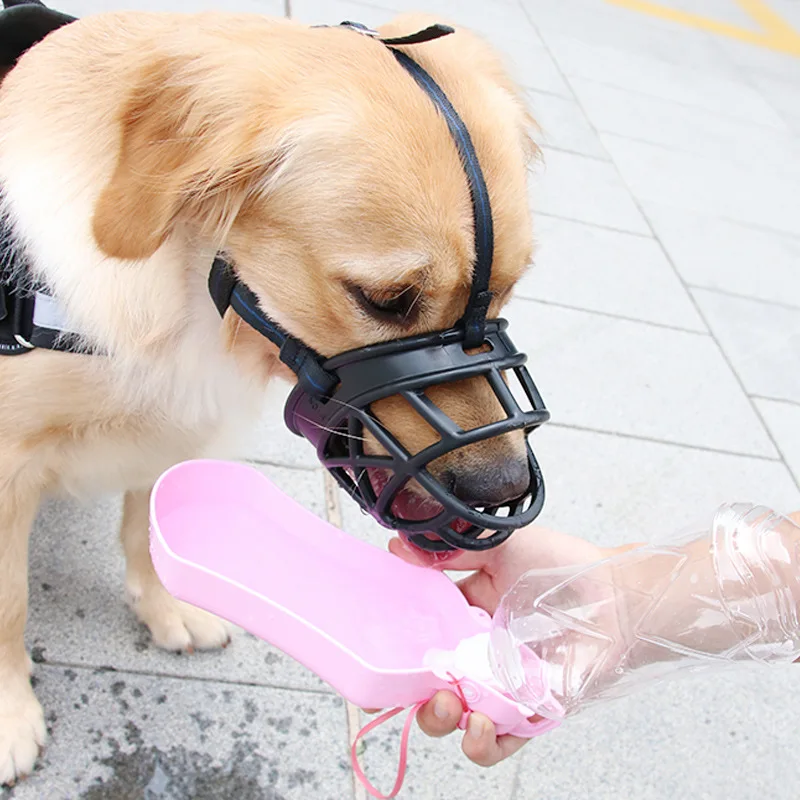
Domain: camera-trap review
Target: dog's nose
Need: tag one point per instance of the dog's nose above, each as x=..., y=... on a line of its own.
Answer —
x=493, y=485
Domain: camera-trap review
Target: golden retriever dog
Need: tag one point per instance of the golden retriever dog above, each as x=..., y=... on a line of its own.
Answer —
x=133, y=147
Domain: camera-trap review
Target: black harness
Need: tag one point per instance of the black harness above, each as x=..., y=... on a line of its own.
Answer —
x=29, y=317
x=331, y=402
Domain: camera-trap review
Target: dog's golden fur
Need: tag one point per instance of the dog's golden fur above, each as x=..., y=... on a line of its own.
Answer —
x=133, y=146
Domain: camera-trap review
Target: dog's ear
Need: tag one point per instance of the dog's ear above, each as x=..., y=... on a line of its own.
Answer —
x=186, y=153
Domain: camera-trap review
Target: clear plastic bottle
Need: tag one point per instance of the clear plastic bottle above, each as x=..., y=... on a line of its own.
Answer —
x=564, y=640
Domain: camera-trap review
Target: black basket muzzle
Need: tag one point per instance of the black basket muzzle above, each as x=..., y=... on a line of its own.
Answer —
x=336, y=426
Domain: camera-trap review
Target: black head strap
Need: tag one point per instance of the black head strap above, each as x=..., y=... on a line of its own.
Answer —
x=226, y=290
x=474, y=319
x=420, y=37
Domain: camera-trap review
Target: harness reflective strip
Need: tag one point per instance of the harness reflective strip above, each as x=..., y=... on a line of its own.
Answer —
x=48, y=313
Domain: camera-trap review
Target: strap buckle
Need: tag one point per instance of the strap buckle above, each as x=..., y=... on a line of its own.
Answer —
x=16, y=316
x=24, y=342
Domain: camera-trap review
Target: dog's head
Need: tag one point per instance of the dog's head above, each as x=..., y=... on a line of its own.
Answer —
x=332, y=183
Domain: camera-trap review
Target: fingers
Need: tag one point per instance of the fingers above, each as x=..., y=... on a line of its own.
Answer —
x=795, y=517
x=482, y=746
x=440, y=715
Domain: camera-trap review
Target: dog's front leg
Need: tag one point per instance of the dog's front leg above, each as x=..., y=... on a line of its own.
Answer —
x=22, y=728
x=174, y=625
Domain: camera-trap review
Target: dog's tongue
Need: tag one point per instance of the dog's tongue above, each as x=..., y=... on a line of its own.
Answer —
x=436, y=559
x=413, y=507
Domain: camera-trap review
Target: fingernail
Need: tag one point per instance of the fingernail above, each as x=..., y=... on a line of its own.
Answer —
x=440, y=709
x=476, y=727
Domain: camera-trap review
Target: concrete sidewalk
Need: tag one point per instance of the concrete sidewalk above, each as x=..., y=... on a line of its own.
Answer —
x=662, y=323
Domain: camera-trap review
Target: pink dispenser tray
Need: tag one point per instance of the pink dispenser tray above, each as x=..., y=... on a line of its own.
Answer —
x=382, y=633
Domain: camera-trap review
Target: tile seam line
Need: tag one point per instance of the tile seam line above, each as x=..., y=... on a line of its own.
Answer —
x=692, y=299
x=550, y=146
x=781, y=400
x=333, y=513
x=539, y=90
x=784, y=234
x=108, y=670
x=611, y=228
x=722, y=115
x=683, y=151
x=746, y=297
x=694, y=154
x=610, y=315
x=283, y=465
x=655, y=440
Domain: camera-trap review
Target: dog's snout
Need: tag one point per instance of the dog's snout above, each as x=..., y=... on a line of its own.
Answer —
x=492, y=485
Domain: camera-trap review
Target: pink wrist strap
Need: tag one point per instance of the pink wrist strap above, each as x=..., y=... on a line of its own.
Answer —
x=401, y=767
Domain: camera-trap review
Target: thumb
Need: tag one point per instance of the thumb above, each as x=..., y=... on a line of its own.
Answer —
x=480, y=590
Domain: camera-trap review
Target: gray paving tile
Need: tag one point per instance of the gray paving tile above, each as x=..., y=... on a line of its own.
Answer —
x=437, y=769
x=610, y=25
x=687, y=128
x=584, y=189
x=783, y=95
x=78, y=614
x=531, y=66
x=272, y=441
x=783, y=421
x=601, y=270
x=564, y=125
x=614, y=490
x=687, y=739
x=632, y=378
x=722, y=93
x=756, y=61
x=715, y=187
x=761, y=340
x=117, y=736
x=718, y=254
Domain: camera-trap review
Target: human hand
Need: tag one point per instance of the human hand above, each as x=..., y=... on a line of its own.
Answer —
x=493, y=573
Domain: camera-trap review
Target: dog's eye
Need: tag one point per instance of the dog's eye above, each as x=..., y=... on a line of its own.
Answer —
x=396, y=304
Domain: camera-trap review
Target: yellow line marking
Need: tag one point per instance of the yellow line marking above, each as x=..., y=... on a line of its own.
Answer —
x=775, y=34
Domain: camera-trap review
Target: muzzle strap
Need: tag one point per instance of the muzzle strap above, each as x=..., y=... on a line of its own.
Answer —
x=474, y=319
x=227, y=291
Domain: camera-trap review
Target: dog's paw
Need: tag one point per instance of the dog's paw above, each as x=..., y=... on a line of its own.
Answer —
x=22, y=730
x=178, y=626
